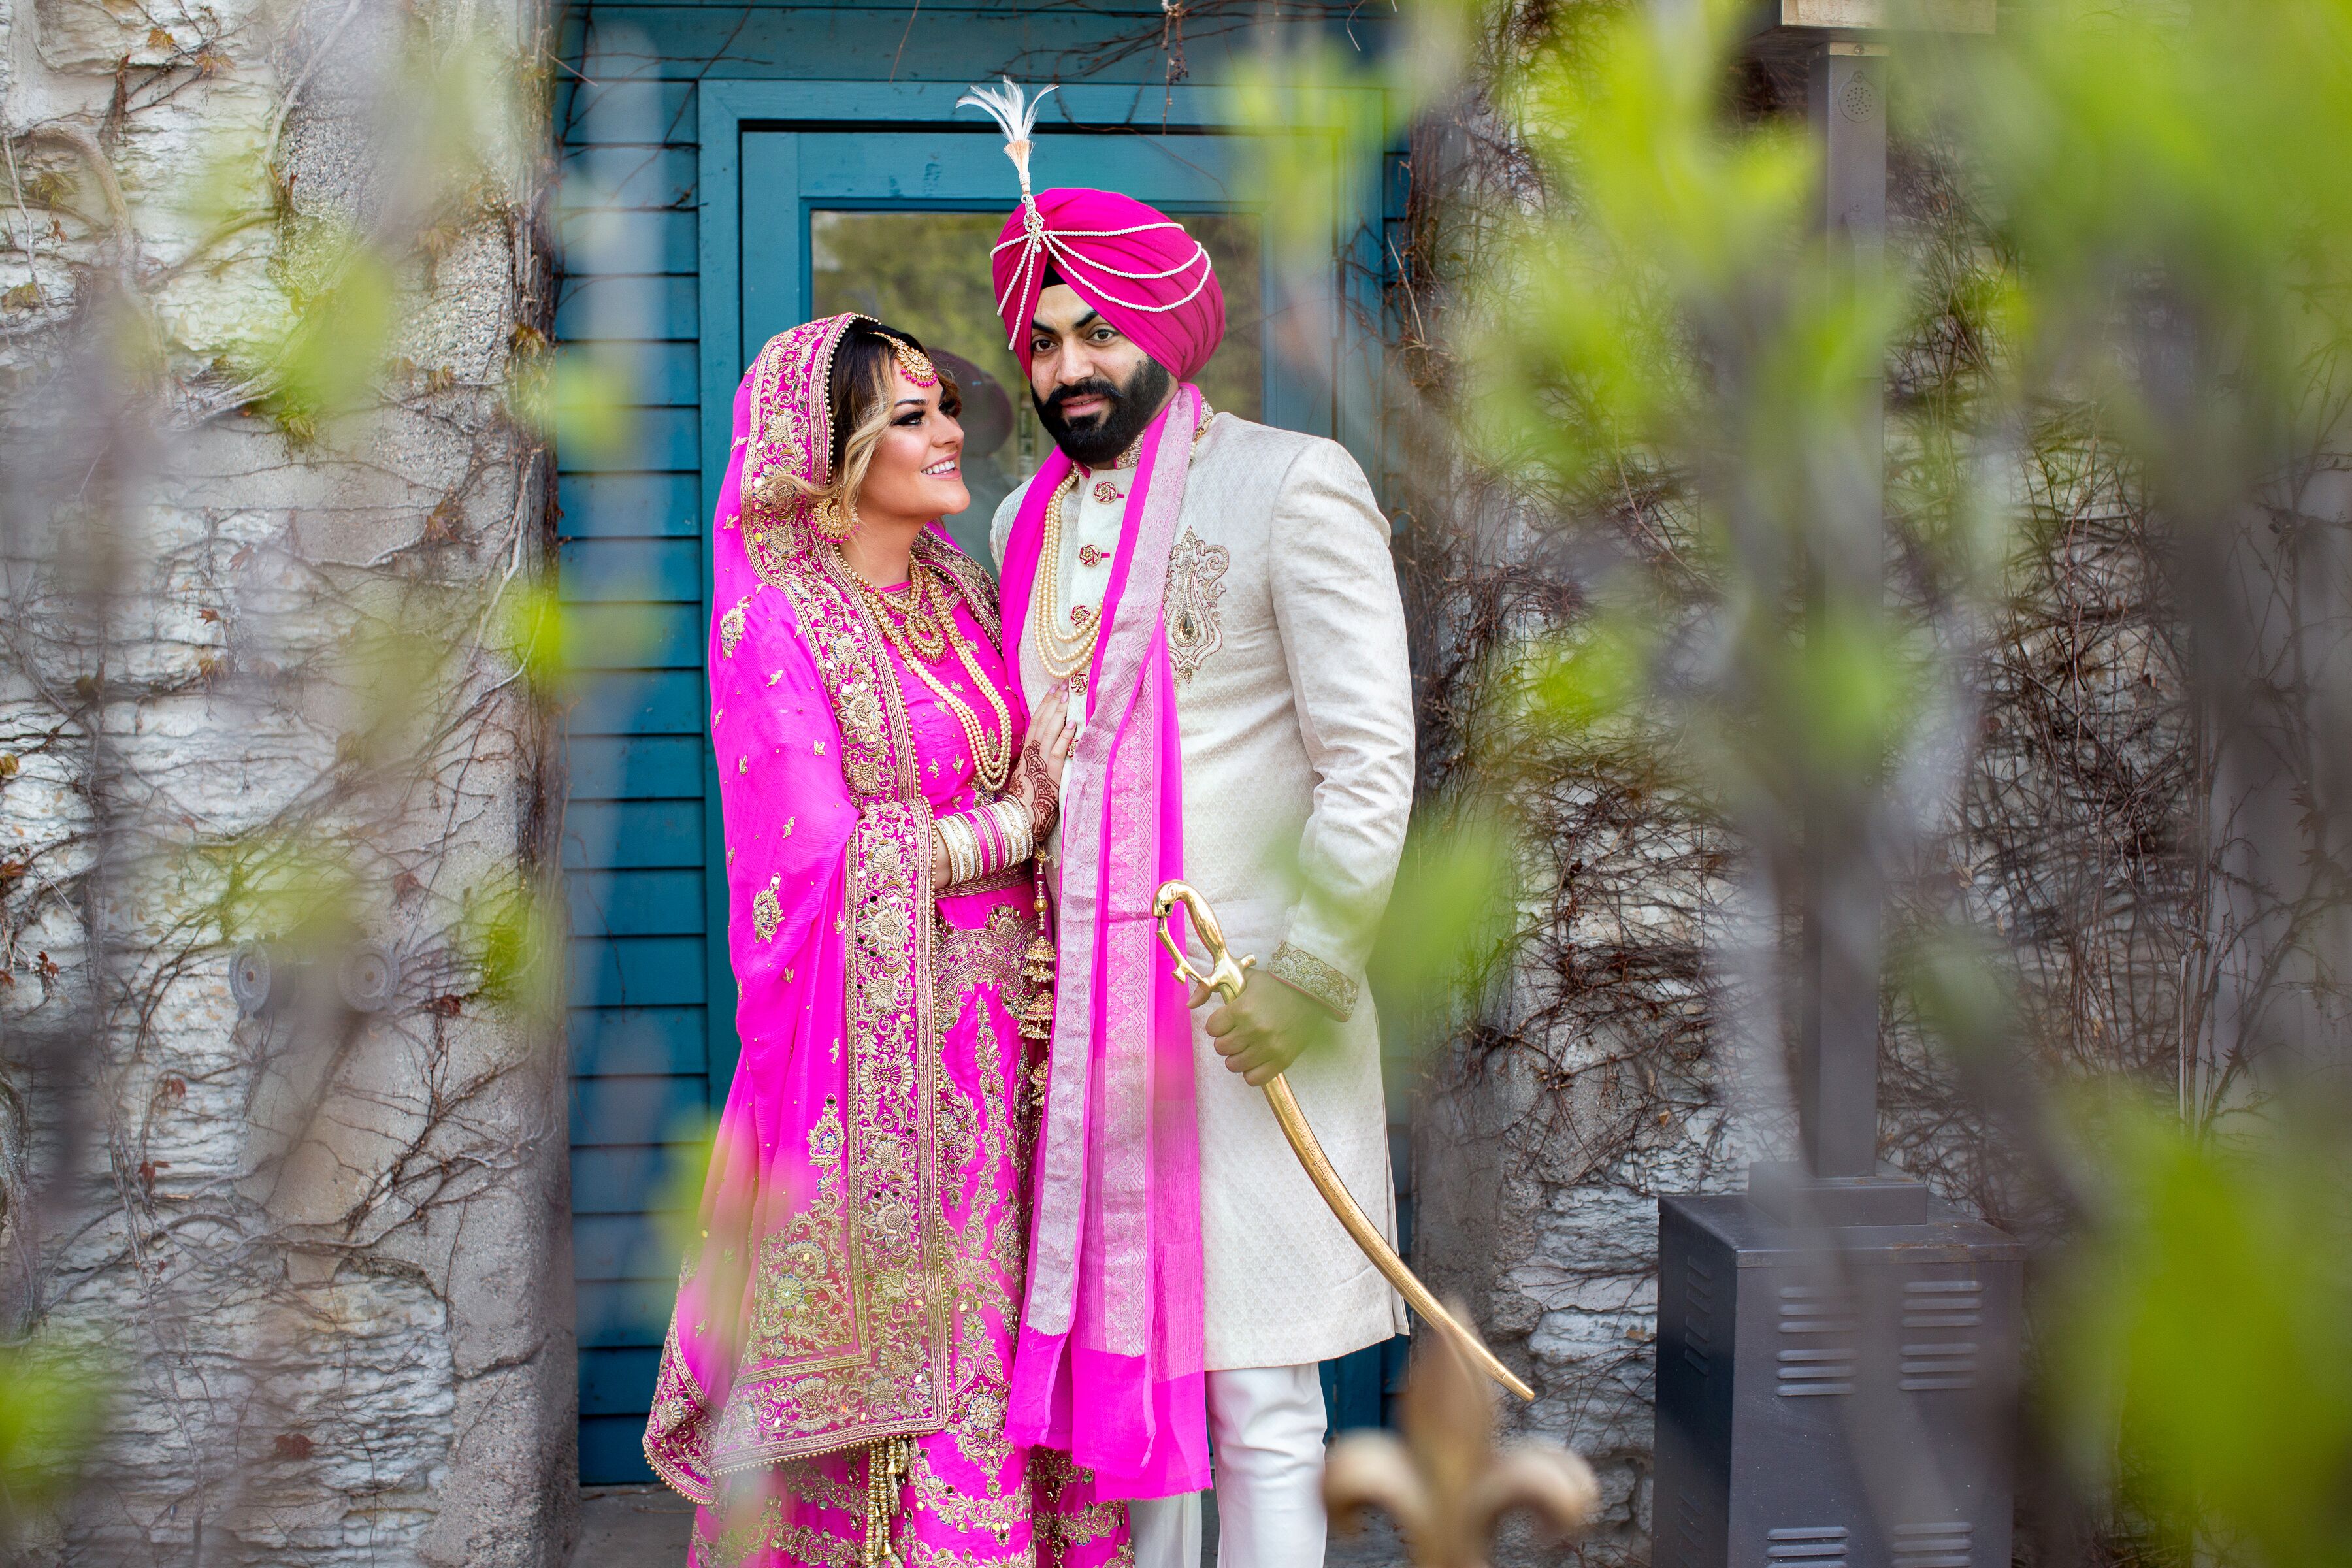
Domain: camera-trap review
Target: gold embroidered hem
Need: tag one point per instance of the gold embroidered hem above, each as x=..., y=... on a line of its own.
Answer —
x=1302, y=970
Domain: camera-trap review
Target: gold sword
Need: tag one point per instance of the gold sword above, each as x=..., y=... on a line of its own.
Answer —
x=1225, y=978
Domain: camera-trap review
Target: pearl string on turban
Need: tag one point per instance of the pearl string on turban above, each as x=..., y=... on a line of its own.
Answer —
x=1136, y=265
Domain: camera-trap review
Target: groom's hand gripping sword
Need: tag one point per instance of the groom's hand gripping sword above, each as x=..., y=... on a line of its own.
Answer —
x=1226, y=978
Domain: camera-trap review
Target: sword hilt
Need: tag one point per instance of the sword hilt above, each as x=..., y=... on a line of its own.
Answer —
x=1226, y=978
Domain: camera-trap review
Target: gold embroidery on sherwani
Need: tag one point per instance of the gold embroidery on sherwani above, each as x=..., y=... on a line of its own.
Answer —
x=1296, y=967
x=1195, y=583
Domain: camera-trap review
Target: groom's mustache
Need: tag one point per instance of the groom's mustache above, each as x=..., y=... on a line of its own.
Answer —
x=1108, y=390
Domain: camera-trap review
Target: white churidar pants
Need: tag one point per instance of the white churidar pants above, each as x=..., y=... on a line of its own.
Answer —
x=1266, y=1423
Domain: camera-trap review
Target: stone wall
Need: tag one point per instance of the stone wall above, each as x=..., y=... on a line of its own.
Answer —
x=275, y=552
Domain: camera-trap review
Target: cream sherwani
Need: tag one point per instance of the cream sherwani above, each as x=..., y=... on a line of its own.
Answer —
x=1295, y=709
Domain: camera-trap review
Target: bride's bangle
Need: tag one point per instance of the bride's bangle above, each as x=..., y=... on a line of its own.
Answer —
x=985, y=840
x=963, y=849
x=1019, y=832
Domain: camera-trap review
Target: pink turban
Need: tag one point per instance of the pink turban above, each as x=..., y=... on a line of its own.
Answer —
x=1133, y=263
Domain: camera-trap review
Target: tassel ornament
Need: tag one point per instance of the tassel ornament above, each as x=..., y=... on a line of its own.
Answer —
x=887, y=1464
x=1037, y=969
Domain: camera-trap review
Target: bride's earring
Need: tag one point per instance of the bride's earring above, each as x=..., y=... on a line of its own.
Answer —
x=836, y=516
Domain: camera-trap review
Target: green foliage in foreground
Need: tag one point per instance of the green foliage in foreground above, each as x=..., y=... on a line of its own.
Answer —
x=2204, y=1319
x=2148, y=236
x=50, y=1412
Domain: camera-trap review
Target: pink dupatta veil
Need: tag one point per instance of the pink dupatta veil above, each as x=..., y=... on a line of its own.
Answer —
x=1110, y=1359
x=815, y=1309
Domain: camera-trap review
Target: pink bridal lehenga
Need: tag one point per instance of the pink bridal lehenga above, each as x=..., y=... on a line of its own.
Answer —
x=832, y=1390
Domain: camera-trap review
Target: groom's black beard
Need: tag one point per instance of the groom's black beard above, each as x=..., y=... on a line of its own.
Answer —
x=1096, y=441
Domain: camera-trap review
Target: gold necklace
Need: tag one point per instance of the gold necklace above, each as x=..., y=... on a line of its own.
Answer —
x=992, y=755
x=923, y=619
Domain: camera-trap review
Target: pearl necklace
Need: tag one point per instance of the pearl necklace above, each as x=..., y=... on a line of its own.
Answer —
x=1068, y=658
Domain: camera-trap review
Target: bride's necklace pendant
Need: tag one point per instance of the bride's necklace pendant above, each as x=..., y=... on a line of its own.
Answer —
x=921, y=618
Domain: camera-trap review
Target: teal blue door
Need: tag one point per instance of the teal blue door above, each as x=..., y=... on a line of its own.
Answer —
x=779, y=213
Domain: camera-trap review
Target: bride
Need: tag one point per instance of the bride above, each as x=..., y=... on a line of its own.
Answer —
x=833, y=1387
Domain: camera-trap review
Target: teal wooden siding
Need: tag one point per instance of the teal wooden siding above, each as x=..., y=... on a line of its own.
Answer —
x=651, y=1003
x=631, y=579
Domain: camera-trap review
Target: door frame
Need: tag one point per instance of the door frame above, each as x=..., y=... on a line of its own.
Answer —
x=726, y=108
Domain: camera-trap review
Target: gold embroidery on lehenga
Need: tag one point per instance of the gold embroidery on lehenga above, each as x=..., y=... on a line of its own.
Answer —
x=801, y=1304
x=680, y=1415
x=731, y=625
x=965, y=1511
x=852, y=1338
x=805, y=1481
x=859, y=1347
x=825, y=1134
x=1051, y=1473
x=985, y=955
x=916, y=1554
x=751, y=1532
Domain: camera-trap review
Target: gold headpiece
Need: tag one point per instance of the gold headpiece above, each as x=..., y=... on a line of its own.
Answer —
x=913, y=363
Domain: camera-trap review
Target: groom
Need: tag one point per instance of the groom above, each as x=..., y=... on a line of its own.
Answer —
x=1216, y=598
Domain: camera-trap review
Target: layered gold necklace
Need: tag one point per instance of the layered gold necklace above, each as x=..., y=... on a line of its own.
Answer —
x=922, y=630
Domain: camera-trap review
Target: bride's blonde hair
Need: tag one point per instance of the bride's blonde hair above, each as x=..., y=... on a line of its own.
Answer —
x=859, y=390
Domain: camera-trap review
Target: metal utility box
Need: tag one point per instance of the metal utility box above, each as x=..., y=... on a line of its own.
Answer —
x=1807, y=19
x=1834, y=1398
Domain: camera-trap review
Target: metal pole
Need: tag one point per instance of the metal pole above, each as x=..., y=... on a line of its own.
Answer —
x=1844, y=892
x=1837, y=1355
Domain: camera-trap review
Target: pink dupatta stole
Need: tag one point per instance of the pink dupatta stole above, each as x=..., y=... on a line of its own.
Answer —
x=1110, y=1363
x=815, y=1314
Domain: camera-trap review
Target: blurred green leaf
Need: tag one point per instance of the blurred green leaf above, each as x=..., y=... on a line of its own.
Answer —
x=1300, y=99
x=2204, y=1319
x=511, y=934
x=52, y=1407
x=534, y=638
x=324, y=359
x=1579, y=680
x=581, y=398
x=280, y=886
x=1452, y=916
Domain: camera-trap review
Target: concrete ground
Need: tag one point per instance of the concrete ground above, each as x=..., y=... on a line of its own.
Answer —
x=646, y=1527
x=633, y=1527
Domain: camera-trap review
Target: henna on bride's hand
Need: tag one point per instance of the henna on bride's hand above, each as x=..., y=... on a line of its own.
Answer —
x=1045, y=800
